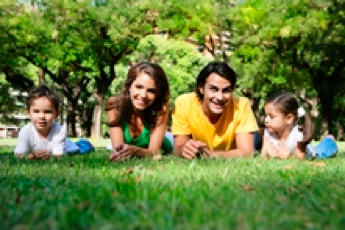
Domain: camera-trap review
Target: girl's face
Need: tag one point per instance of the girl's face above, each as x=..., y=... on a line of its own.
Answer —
x=275, y=120
x=143, y=91
x=42, y=114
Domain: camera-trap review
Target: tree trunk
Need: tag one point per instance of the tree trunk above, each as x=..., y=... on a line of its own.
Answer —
x=326, y=102
x=97, y=116
x=71, y=119
x=41, y=74
x=340, y=131
x=85, y=121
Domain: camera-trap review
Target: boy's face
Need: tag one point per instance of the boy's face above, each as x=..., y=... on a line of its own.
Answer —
x=42, y=114
x=216, y=94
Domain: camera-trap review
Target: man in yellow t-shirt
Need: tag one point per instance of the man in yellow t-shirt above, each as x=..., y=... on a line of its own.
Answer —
x=213, y=121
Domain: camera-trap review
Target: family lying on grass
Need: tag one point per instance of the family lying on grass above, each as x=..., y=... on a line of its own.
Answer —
x=210, y=122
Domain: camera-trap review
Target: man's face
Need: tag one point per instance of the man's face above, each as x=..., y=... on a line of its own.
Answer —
x=216, y=94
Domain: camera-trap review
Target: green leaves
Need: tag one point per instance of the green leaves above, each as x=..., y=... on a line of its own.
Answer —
x=289, y=46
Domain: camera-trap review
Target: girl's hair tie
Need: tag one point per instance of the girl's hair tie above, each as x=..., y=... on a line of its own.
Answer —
x=300, y=112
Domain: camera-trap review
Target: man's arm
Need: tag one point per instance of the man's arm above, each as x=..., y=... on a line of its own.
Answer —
x=244, y=147
x=179, y=142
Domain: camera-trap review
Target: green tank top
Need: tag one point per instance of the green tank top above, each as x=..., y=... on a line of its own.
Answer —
x=143, y=140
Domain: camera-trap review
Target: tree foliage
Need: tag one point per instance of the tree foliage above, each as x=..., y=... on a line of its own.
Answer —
x=180, y=60
x=78, y=43
x=293, y=45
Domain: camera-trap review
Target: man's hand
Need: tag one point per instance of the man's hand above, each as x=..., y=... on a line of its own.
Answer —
x=191, y=148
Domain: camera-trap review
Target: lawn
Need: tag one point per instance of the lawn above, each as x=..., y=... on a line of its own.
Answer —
x=89, y=192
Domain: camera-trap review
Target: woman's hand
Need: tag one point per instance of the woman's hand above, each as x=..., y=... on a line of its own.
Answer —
x=122, y=152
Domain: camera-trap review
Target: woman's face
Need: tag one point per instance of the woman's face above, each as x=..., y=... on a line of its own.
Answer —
x=143, y=91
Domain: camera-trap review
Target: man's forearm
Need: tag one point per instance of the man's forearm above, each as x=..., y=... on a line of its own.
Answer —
x=231, y=153
x=178, y=151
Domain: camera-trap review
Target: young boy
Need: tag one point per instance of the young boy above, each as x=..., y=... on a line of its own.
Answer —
x=42, y=136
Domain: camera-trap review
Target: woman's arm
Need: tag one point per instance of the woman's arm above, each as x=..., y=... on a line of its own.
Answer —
x=157, y=135
x=115, y=130
x=125, y=151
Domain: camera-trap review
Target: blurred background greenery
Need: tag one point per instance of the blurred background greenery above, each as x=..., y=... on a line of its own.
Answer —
x=83, y=49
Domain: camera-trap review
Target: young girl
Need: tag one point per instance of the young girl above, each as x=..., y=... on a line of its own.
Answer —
x=283, y=137
x=43, y=136
x=138, y=116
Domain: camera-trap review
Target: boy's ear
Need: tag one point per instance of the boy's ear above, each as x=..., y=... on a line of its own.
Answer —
x=201, y=89
x=57, y=114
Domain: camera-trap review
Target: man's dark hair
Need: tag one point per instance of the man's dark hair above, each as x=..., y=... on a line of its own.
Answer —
x=220, y=68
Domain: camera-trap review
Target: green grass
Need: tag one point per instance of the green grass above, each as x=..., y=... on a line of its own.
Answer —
x=88, y=192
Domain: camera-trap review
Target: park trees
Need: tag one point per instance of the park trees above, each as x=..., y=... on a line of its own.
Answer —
x=76, y=44
x=295, y=45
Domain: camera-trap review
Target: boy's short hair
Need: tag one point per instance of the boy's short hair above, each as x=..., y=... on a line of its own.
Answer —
x=43, y=91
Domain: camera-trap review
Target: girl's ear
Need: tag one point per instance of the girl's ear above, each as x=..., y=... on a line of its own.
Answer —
x=290, y=118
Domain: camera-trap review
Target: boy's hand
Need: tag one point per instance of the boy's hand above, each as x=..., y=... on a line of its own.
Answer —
x=39, y=154
x=19, y=155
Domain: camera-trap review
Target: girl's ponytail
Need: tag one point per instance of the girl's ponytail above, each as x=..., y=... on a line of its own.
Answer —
x=308, y=126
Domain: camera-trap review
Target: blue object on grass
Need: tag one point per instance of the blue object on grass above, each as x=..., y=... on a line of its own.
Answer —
x=85, y=146
x=327, y=148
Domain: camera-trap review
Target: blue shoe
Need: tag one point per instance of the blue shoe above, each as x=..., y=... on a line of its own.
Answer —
x=327, y=148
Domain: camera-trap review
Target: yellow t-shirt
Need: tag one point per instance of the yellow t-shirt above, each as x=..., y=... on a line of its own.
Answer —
x=188, y=118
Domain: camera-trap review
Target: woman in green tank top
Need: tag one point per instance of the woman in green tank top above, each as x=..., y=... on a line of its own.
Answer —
x=138, y=116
